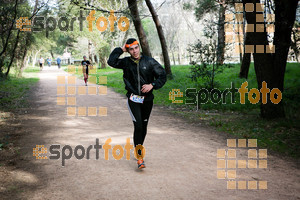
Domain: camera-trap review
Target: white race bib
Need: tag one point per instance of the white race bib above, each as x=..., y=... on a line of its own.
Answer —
x=137, y=98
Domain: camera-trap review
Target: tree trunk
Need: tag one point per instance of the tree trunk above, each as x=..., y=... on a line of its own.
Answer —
x=28, y=60
x=25, y=53
x=263, y=62
x=125, y=36
x=34, y=58
x=179, y=59
x=244, y=41
x=52, y=55
x=139, y=27
x=161, y=36
x=10, y=30
x=3, y=51
x=103, y=62
x=271, y=67
x=24, y=60
x=34, y=10
x=221, y=35
x=90, y=50
x=173, y=58
x=17, y=67
x=245, y=65
x=285, y=14
x=241, y=58
x=95, y=58
x=1, y=64
x=28, y=43
x=161, y=57
x=13, y=53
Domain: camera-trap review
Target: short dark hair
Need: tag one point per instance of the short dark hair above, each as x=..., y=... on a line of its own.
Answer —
x=130, y=40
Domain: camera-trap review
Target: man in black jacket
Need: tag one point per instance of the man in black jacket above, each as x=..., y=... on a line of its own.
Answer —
x=141, y=74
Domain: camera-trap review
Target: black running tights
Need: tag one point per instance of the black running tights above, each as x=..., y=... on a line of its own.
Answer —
x=140, y=113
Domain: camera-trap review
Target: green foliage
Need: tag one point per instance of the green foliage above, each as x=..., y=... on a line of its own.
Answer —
x=152, y=36
x=6, y=20
x=13, y=92
x=64, y=41
x=205, y=65
x=204, y=6
x=187, y=6
x=206, y=73
x=32, y=70
x=103, y=48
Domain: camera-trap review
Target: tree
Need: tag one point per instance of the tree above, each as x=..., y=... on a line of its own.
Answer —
x=9, y=26
x=28, y=42
x=139, y=27
x=205, y=64
x=7, y=34
x=19, y=48
x=250, y=39
x=161, y=37
x=100, y=44
x=208, y=6
x=15, y=43
x=270, y=67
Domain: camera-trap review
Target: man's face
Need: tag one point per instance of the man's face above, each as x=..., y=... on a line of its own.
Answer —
x=84, y=57
x=134, y=51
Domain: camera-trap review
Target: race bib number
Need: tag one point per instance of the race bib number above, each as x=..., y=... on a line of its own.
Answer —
x=137, y=98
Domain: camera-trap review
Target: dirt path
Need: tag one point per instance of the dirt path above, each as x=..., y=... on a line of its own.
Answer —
x=181, y=158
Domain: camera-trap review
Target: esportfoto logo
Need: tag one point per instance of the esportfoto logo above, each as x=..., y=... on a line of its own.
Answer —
x=64, y=24
x=66, y=152
x=202, y=96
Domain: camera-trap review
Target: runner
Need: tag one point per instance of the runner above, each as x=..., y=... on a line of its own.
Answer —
x=41, y=62
x=141, y=74
x=85, y=69
x=49, y=62
x=58, y=60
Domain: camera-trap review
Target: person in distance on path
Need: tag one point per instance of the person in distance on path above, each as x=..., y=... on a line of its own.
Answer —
x=141, y=74
x=41, y=62
x=58, y=60
x=49, y=62
x=86, y=64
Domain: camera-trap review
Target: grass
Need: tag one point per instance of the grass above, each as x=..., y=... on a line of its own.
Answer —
x=240, y=120
x=13, y=90
x=13, y=96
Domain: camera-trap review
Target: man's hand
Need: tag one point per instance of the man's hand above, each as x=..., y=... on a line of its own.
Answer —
x=147, y=88
x=124, y=48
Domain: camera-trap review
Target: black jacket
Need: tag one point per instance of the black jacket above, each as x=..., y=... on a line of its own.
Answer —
x=150, y=71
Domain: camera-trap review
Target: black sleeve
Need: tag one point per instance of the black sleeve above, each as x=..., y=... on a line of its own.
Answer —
x=87, y=62
x=114, y=60
x=159, y=74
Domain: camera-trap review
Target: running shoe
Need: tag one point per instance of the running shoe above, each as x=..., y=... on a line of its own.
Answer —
x=141, y=164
